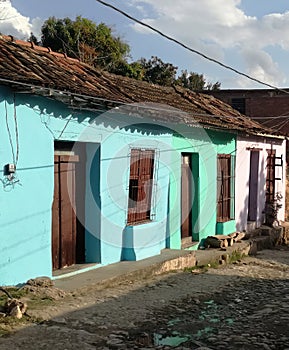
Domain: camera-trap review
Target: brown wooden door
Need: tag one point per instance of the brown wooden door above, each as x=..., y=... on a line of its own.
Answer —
x=64, y=223
x=186, y=197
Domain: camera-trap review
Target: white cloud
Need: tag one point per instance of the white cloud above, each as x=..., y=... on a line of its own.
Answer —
x=261, y=66
x=13, y=23
x=205, y=24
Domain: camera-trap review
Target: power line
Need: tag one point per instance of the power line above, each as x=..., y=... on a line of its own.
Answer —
x=189, y=48
x=119, y=104
x=136, y=105
x=272, y=117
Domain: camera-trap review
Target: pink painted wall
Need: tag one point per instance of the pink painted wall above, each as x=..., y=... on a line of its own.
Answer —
x=244, y=147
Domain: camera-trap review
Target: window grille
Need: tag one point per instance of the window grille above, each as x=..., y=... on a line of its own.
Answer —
x=270, y=175
x=225, y=187
x=140, y=186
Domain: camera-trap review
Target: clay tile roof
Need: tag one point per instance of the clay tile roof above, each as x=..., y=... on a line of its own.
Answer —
x=30, y=65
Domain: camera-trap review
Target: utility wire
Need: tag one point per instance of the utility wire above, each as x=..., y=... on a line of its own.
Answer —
x=189, y=48
x=16, y=130
x=134, y=104
x=9, y=133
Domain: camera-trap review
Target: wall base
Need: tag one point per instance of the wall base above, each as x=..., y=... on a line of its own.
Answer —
x=225, y=228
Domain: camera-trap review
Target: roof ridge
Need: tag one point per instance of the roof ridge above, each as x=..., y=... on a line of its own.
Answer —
x=31, y=45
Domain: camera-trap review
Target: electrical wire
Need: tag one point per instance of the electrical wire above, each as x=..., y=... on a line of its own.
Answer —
x=16, y=130
x=189, y=48
x=272, y=117
x=117, y=103
x=9, y=133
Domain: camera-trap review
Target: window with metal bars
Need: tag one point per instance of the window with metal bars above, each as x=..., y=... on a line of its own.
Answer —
x=140, y=186
x=225, y=187
x=270, y=175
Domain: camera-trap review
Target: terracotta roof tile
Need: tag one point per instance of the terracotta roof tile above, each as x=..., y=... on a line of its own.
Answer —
x=22, y=62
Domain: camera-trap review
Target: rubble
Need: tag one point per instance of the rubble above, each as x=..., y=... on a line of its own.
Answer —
x=13, y=307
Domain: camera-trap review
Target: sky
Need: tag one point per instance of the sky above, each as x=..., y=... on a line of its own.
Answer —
x=251, y=36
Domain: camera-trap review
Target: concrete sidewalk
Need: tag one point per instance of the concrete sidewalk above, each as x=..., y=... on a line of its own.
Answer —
x=168, y=260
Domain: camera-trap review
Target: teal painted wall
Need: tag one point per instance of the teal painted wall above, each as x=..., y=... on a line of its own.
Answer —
x=25, y=209
x=204, y=145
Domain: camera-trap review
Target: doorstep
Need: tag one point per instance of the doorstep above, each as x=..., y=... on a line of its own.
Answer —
x=73, y=270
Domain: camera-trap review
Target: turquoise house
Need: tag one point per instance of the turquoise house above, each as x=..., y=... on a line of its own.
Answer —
x=97, y=168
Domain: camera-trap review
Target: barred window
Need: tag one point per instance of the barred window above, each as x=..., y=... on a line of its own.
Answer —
x=140, y=186
x=270, y=175
x=225, y=187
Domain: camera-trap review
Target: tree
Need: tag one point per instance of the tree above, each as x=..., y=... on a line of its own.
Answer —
x=158, y=72
x=132, y=70
x=195, y=82
x=33, y=39
x=214, y=87
x=84, y=39
x=96, y=45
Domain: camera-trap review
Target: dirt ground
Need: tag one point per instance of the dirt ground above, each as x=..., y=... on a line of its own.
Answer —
x=244, y=305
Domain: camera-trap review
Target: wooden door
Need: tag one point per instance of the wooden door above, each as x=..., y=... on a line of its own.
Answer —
x=253, y=186
x=64, y=222
x=186, y=196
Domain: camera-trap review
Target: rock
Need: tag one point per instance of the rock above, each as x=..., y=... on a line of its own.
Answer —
x=15, y=308
x=40, y=282
x=60, y=320
x=102, y=327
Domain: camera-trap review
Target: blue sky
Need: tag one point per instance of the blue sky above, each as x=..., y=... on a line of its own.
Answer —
x=249, y=35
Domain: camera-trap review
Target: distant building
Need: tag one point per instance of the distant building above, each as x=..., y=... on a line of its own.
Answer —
x=268, y=107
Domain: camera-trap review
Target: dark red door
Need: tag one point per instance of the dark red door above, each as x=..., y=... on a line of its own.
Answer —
x=64, y=222
x=186, y=198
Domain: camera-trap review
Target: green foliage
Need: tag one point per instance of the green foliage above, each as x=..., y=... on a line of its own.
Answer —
x=84, y=39
x=96, y=45
x=33, y=39
x=236, y=256
x=158, y=72
x=132, y=70
x=195, y=82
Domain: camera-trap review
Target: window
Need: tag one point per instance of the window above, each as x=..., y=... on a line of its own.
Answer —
x=270, y=175
x=140, y=186
x=225, y=187
x=239, y=104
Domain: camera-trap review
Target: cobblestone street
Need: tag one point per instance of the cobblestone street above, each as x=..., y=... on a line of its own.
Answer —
x=244, y=305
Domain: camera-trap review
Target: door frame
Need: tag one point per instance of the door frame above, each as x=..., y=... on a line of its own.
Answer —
x=186, y=197
x=194, y=198
x=69, y=182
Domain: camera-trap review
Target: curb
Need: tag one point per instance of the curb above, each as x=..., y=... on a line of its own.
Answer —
x=169, y=260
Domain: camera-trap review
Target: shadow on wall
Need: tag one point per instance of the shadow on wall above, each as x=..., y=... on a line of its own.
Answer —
x=128, y=252
x=115, y=118
x=260, y=198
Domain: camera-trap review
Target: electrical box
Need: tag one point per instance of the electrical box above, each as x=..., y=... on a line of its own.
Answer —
x=9, y=169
